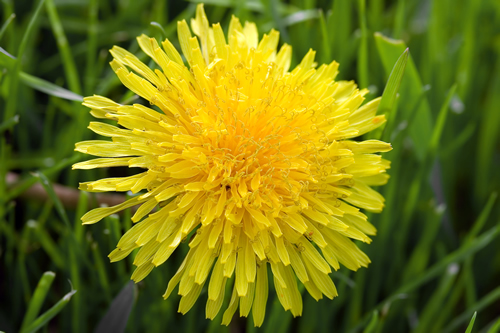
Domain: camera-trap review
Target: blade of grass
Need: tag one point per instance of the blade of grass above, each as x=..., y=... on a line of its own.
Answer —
x=44, y=181
x=49, y=314
x=438, y=298
x=390, y=92
x=400, y=19
x=9, y=123
x=458, y=255
x=496, y=327
x=489, y=134
x=363, y=47
x=30, y=181
x=6, y=24
x=38, y=298
x=471, y=323
x=490, y=298
x=48, y=244
x=410, y=90
x=326, y=54
x=91, y=50
x=12, y=102
x=339, y=23
x=372, y=325
x=63, y=46
x=49, y=88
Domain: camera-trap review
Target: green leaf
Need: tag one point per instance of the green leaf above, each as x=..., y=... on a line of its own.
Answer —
x=326, y=53
x=438, y=129
x=38, y=298
x=492, y=297
x=465, y=251
x=5, y=25
x=372, y=325
x=495, y=328
x=9, y=123
x=49, y=88
x=53, y=196
x=49, y=314
x=390, y=92
x=420, y=128
x=471, y=323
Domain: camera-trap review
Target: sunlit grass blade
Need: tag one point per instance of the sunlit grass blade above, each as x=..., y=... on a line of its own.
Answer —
x=49, y=88
x=471, y=324
x=38, y=298
x=391, y=89
x=410, y=91
x=49, y=314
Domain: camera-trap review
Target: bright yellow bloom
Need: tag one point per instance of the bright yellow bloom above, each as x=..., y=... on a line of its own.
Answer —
x=249, y=161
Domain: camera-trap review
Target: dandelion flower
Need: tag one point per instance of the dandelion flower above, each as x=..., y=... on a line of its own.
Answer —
x=249, y=161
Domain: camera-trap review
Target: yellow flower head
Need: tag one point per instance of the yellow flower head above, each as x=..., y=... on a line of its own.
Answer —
x=251, y=162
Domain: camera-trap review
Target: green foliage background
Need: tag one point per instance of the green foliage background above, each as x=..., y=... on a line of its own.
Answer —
x=435, y=259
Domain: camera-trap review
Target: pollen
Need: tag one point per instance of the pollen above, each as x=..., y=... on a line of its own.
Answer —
x=252, y=164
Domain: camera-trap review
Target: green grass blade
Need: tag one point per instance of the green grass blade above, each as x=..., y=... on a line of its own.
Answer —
x=38, y=298
x=49, y=314
x=372, y=325
x=12, y=102
x=62, y=43
x=389, y=95
x=496, y=327
x=53, y=196
x=400, y=19
x=471, y=323
x=50, y=247
x=339, y=23
x=483, y=217
x=49, y=88
x=411, y=90
x=435, y=302
x=6, y=24
x=91, y=52
x=438, y=129
x=466, y=250
x=27, y=183
x=492, y=297
x=9, y=124
x=363, y=80
x=326, y=52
